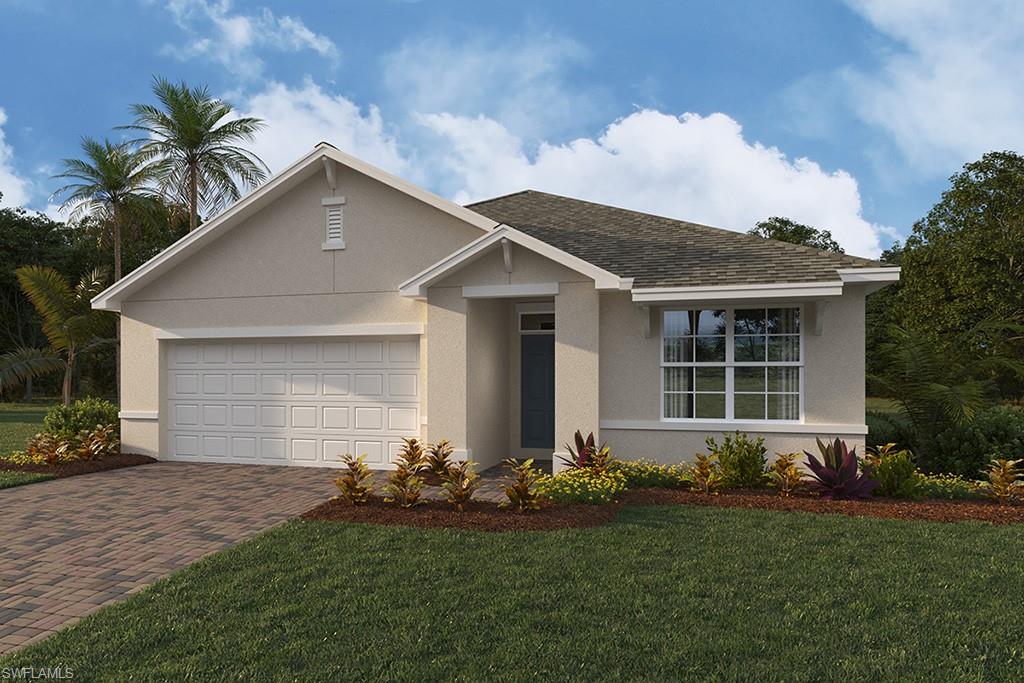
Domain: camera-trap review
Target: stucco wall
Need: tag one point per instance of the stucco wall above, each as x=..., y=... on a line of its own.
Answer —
x=577, y=376
x=271, y=271
x=630, y=381
x=488, y=380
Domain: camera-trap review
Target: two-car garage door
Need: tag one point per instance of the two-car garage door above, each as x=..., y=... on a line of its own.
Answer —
x=291, y=401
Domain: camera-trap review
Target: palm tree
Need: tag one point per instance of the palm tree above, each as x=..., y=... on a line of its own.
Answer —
x=112, y=182
x=69, y=323
x=199, y=162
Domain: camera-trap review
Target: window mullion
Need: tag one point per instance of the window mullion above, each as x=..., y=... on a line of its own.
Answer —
x=730, y=355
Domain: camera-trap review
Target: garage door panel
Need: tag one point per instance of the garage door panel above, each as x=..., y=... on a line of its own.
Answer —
x=297, y=402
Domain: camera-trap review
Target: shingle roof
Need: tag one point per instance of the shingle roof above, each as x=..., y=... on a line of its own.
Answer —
x=658, y=251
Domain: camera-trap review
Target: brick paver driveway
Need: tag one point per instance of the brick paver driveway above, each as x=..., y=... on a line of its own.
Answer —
x=70, y=546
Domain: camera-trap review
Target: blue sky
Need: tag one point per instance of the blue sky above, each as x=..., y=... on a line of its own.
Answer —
x=846, y=115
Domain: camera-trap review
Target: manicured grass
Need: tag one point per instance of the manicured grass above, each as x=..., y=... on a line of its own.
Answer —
x=18, y=423
x=10, y=479
x=665, y=593
x=881, y=405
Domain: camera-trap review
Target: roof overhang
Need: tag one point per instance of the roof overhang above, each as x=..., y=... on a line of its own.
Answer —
x=416, y=286
x=873, y=278
x=320, y=159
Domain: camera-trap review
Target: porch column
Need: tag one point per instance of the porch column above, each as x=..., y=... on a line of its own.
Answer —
x=446, y=368
x=577, y=318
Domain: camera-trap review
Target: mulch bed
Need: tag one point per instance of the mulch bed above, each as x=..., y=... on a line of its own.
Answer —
x=887, y=508
x=76, y=467
x=485, y=516
x=479, y=515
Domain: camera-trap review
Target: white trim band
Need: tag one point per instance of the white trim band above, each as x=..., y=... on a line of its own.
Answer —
x=364, y=330
x=735, y=425
x=791, y=291
x=138, y=415
x=509, y=291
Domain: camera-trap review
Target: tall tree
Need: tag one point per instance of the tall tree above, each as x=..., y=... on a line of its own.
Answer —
x=964, y=262
x=195, y=141
x=70, y=325
x=112, y=184
x=788, y=230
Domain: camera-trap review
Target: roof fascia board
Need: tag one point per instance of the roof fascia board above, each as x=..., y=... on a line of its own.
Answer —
x=110, y=299
x=417, y=285
x=861, y=275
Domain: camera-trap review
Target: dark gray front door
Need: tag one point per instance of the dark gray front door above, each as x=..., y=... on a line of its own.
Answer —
x=538, y=390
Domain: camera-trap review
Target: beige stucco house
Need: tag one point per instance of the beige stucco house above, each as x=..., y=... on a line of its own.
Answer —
x=338, y=309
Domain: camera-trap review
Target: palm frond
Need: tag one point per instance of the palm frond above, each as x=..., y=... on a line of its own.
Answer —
x=18, y=366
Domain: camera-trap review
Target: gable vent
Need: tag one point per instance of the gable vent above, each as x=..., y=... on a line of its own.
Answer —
x=335, y=234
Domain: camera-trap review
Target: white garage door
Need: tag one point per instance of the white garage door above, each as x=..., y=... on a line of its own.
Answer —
x=291, y=402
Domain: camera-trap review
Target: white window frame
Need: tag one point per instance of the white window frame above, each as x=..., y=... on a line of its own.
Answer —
x=329, y=203
x=730, y=364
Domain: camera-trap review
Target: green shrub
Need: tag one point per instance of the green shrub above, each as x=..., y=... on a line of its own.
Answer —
x=895, y=470
x=583, y=485
x=968, y=449
x=743, y=461
x=705, y=476
x=886, y=428
x=649, y=474
x=65, y=422
x=950, y=487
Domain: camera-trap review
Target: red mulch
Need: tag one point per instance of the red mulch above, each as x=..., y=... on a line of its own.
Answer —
x=484, y=516
x=479, y=515
x=887, y=508
x=75, y=467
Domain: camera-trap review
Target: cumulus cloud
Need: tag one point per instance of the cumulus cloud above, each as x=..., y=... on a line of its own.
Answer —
x=697, y=168
x=299, y=117
x=232, y=39
x=520, y=80
x=949, y=89
x=15, y=189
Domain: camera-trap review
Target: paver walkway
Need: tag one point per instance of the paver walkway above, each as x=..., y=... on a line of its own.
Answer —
x=70, y=546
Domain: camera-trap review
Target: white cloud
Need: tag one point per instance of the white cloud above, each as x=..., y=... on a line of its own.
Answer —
x=691, y=167
x=298, y=118
x=951, y=92
x=15, y=189
x=232, y=39
x=520, y=80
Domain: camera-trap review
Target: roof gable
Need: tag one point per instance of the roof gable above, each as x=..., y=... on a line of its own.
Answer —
x=319, y=159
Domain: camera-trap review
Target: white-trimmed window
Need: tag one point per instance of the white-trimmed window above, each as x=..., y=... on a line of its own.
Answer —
x=334, y=210
x=742, y=363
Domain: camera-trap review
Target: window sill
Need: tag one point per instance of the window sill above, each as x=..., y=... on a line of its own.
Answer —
x=772, y=427
x=332, y=246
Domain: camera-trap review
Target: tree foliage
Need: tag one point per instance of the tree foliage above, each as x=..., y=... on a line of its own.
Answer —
x=788, y=230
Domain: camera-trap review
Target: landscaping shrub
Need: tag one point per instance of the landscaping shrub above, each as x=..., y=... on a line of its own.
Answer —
x=705, y=475
x=967, y=449
x=97, y=443
x=522, y=493
x=950, y=487
x=460, y=482
x=1003, y=480
x=439, y=457
x=895, y=471
x=743, y=461
x=583, y=485
x=886, y=428
x=838, y=478
x=586, y=454
x=44, y=449
x=785, y=474
x=649, y=474
x=65, y=422
x=404, y=486
x=355, y=482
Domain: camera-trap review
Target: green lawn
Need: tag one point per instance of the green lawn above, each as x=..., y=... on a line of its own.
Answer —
x=10, y=479
x=18, y=423
x=668, y=593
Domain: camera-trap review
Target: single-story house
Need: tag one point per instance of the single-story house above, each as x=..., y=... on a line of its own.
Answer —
x=338, y=308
